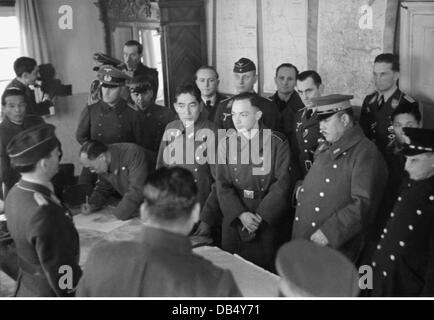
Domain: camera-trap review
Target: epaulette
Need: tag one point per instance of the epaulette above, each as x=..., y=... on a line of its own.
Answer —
x=408, y=98
x=278, y=135
x=224, y=100
x=39, y=198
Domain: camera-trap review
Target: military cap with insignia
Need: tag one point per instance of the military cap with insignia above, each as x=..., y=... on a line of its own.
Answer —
x=325, y=106
x=109, y=76
x=140, y=84
x=244, y=65
x=316, y=270
x=31, y=145
x=420, y=141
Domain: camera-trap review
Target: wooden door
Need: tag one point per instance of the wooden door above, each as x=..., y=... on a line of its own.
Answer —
x=417, y=55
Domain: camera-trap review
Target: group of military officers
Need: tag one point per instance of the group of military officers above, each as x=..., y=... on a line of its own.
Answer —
x=299, y=165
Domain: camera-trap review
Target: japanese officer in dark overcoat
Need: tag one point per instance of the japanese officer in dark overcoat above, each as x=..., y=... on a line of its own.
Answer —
x=253, y=185
x=154, y=117
x=341, y=192
x=46, y=240
x=403, y=262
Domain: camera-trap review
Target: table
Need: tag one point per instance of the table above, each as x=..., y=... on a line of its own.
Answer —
x=252, y=280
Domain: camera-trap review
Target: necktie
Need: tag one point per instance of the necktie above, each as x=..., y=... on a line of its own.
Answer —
x=380, y=101
x=208, y=105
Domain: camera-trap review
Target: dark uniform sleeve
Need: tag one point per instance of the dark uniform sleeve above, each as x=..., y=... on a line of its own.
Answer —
x=428, y=289
x=138, y=130
x=364, y=120
x=368, y=180
x=54, y=238
x=276, y=201
x=163, y=144
x=102, y=191
x=83, y=130
x=228, y=197
x=137, y=173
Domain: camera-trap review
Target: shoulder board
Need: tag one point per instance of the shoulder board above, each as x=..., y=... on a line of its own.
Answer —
x=268, y=99
x=278, y=135
x=408, y=98
x=39, y=198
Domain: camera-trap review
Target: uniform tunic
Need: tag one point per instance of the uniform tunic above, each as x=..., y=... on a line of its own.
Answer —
x=270, y=114
x=193, y=149
x=108, y=124
x=305, y=139
x=129, y=167
x=45, y=239
x=288, y=111
x=243, y=186
x=155, y=120
x=376, y=121
x=8, y=130
x=211, y=109
x=403, y=262
x=341, y=192
x=158, y=264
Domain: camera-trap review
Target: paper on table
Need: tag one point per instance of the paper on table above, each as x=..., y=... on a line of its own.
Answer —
x=102, y=221
x=252, y=280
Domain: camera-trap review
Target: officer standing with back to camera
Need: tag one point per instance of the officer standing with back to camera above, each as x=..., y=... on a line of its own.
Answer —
x=109, y=120
x=40, y=225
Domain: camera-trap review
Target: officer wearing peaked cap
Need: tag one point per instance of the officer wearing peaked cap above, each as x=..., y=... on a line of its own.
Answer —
x=109, y=120
x=403, y=263
x=40, y=225
x=310, y=270
x=245, y=78
x=341, y=192
x=154, y=117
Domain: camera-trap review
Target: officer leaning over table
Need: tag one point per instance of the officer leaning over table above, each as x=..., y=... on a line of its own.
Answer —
x=122, y=169
x=403, y=262
x=341, y=192
x=40, y=225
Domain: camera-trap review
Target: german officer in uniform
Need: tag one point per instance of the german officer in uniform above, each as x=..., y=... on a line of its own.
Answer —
x=46, y=240
x=245, y=78
x=253, y=185
x=341, y=192
x=191, y=143
x=403, y=263
x=377, y=108
x=306, y=136
x=109, y=120
x=286, y=97
x=122, y=168
x=155, y=117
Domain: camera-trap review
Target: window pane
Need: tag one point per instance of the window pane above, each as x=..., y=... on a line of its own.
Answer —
x=11, y=37
x=7, y=58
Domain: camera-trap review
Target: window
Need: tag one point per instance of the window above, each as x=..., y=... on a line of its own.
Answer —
x=9, y=45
